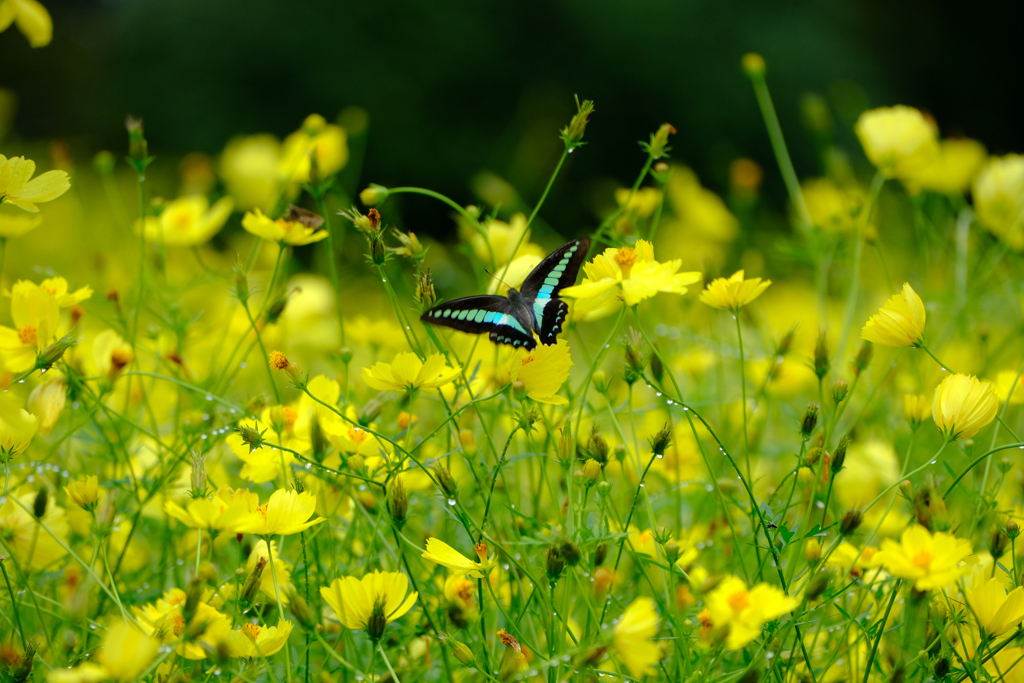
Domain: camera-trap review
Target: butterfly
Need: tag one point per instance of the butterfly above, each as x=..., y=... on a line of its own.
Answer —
x=534, y=308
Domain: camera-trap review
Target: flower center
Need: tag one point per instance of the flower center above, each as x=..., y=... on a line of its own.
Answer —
x=357, y=436
x=178, y=624
x=528, y=359
x=739, y=601
x=285, y=225
x=262, y=509
x=923, y=559
x=251, y=630
x=119, y=359
x=625, y=257
x=27, y=334
x=290, y=416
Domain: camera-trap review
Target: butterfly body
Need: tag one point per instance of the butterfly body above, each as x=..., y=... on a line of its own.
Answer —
x=534, y=308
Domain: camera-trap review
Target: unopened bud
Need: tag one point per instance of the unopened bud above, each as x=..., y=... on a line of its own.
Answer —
x=864, y=356
x=241, y=283
x=998, y=543
x=657, y=367
x=373, y=195
x=839, y=457
x=812, y=456
x=104, y=162
x=812, y=551
x=462, y=652
x=572, y=135
x=54, y=352
x=851, y=521
x=753, y=65
x=600, y=381
x=425, y=294
x=786, y=343
x=528, y=418
x=254, y=580
x=39, y=504
x=317, y=439
x=1012, y=530
x=193, y=594
x=198, y=475
x=21, y=672
x=600, y=553
x=810, y=420
x=658, y=146
x=591, y=472
x=839, y=391
x=821, y=361
x=554, y=564
x=907, y=489
x=299, y=608
x=597, y=446
x=661, y=440
x=138, y=148
x=446, y=481
x=817, y=586
x=672, y=551
x=250, y=436
x=398, y=502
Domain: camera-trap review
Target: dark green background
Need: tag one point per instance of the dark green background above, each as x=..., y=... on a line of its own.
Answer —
x=459, y=86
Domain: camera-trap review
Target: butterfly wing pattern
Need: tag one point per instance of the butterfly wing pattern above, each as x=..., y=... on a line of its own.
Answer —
x=541, y=287
x=513, y=320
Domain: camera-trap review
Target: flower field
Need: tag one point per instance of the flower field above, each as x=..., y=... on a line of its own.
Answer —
x=250, y=430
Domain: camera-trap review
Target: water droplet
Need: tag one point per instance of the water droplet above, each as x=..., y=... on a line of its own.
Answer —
x=241, y=365
x=451, y=501
x=209, y=398
x=660, y=456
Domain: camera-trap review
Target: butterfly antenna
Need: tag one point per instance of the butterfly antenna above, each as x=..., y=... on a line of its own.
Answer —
x=497, y=278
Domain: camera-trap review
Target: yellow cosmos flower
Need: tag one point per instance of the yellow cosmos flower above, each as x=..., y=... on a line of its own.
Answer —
x=1005, y=388
x=253, y=640
x=250, y=167
x=999, y=198
x=295, y=233
x=223, y=511
x=83, y=673
x=46, y=402
x=900, y=322
x=126, y=652
x=57, y=287
x=1004, y=665
x=744, y=611
x=993, y=609
x=17, y=427
x=188, y=221
x=325, y=141
x=542, y=371
x=277, y=575
x=84, y=492
x=111, y=354
x=952, y=170
x=733, y=293
x=633, y=641
x=627, y=274
x=36, y=316
x=917, y=408
x=32, y=19
x=962, y=406
x=497, y=244
x=832, y=208
x=287, y=512
x=165, y=621
x=409, y=373
x=932, y=561
x=897, y=140
x=15, y=222
x=443, y=554
x=22, y=536
x=17, y=189
x=369, y=603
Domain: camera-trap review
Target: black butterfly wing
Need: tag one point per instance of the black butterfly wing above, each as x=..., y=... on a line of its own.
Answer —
x=485, y=313
x=559, y=269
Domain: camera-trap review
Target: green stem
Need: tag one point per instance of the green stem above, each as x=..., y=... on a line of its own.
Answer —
x=743, y=391
x=14, y=605
x=332, y=267
x=771, y=122
x=881, y=630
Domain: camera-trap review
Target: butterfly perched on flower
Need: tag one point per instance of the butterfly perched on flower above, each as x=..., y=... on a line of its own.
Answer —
x=513, y=320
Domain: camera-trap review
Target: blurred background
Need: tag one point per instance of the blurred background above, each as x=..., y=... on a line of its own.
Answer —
x=459, y=87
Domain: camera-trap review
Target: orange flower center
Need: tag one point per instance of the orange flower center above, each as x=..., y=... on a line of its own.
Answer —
x=27, y=334
x=52, y=291
x=528, y=359
x=285, y=225
x=705, y=618
x=262, y=509
x=868, y=553
x=625, y=257
x=119, y=359
x=739, y=601
x=182, y=221
x=290, y=416
x=464, y=591
x=178, y=624
x=923, y=559
x=251, y=630
x=357, y=436
x=481, y=551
